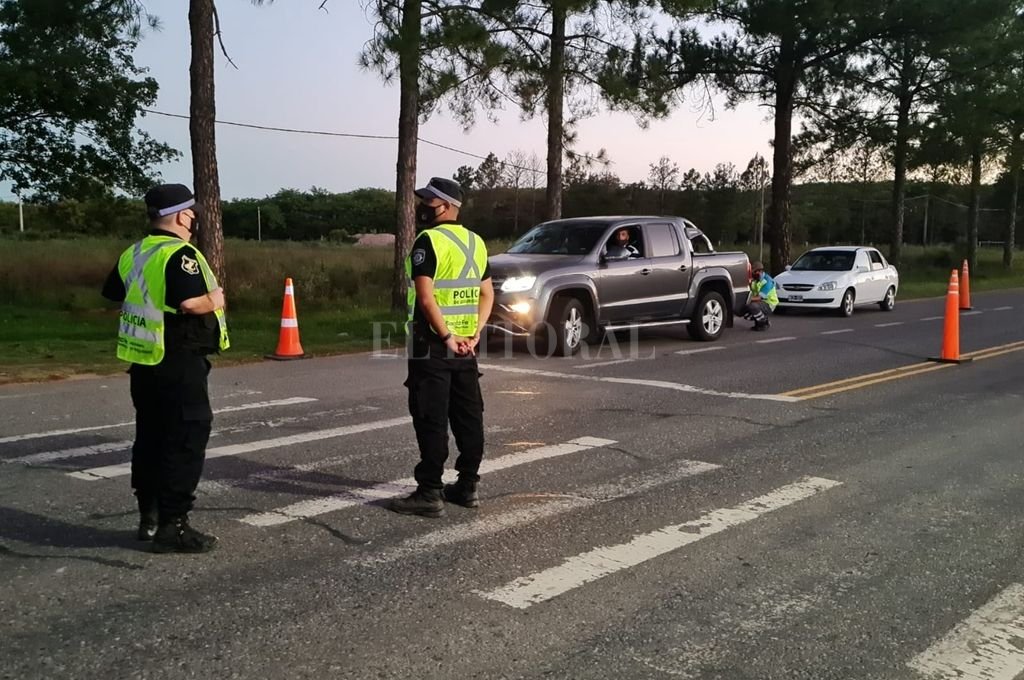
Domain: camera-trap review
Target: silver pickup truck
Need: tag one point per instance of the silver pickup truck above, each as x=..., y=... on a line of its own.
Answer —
x=575, y=279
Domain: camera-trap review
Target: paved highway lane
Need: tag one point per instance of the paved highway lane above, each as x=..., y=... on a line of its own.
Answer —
x=667, y=517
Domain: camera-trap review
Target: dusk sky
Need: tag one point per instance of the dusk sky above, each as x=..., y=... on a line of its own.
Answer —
x=297, y=69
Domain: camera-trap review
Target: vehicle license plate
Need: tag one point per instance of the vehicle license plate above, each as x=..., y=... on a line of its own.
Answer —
x=796, y=298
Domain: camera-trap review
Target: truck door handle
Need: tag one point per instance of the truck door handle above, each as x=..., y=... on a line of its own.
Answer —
x=682, y=267
x=645, y=272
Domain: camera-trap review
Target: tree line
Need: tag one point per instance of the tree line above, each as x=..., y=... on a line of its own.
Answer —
x=926, y=89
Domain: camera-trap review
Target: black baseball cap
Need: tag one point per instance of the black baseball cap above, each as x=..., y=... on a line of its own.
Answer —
x=448, y=190
x=168, y=199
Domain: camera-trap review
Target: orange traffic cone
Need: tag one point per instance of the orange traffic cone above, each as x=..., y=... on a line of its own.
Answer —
x=965, y=288
x=951, y=328
x=288, y=346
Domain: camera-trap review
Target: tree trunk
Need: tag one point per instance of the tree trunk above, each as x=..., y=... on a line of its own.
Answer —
x=1010, y=238
x=203, y=112
x=782, y=160
x=555, y=110
x=408, y=132
x=899, y=187
x=972, y=215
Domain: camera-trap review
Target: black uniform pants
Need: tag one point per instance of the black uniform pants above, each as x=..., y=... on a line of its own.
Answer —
x=172, y=426
x=443, y=391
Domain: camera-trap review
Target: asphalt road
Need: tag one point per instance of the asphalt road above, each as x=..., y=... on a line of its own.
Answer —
x=752, y=508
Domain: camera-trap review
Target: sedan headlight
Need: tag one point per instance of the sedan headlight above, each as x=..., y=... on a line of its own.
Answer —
x=517, y=284
x=828, y=285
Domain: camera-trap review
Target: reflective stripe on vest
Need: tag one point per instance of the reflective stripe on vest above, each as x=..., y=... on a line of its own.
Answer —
x=141, y=328
x=461, y=261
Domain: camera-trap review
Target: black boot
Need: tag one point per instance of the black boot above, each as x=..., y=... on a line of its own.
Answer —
x=176, y=535
x=423, y=501
x=462, y=493
x=147, y=518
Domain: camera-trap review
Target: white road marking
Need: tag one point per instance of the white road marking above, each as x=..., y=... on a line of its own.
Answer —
x=933, y=318
x=987, y=645
x=106, y=447
x=488, y=525
x=112, y=471
x=973, y=313
x=291, y=401
x=701, y=350
x=606, y=363
x=661, y=384
x=891, y=323
x=600, y=562
x=768, y=341
x=837, y=332
x=1002, y=309
x=354, y=497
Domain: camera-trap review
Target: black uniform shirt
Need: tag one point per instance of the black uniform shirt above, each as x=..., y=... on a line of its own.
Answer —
x=424, y=263
x=184, y=280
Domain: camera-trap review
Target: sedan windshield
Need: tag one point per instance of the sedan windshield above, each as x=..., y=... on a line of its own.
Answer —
x=825, y=261
x=560, y=239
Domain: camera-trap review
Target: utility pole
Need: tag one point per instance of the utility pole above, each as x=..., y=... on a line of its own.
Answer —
x=259, y=224
x=21, y=215
x=924, y=236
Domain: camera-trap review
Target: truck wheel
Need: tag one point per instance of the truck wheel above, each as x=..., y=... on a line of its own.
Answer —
x=708, y=320
x=568, y=321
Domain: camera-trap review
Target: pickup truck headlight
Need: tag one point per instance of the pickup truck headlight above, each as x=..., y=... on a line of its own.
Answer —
x=828, y=285
x=517, y=284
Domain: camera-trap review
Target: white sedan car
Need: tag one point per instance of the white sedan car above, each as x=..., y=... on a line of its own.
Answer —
x=838, y=278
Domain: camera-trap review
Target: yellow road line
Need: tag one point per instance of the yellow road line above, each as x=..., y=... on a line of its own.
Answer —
x=896, y=372
x=857, y=382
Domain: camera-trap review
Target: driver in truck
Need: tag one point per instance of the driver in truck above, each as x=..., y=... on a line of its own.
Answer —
x=623, y=239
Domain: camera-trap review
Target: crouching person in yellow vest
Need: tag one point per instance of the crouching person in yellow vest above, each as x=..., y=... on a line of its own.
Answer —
x=450, y=298
x=172, y=317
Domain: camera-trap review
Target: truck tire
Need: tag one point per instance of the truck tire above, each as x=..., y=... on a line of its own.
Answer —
x=709, y=318
x=568, y=324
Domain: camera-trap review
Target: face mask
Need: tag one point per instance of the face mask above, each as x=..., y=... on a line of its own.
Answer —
x=425, y=215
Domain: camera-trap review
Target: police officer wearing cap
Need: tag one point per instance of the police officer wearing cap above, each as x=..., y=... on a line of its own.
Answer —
x=450, y=297
x=172, y=317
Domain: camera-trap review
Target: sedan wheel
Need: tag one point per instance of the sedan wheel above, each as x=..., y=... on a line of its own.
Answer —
x=846, y=306
x=889, y=301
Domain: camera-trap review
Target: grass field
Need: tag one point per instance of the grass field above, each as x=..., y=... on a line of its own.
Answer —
x=54, y=323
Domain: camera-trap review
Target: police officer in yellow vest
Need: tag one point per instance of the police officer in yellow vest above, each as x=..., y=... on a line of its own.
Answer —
x=450, y=297
x=172, y=316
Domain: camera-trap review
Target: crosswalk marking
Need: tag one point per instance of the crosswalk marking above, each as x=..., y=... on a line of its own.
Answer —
x=45, y=457
x=550, y=506
x=600, y=562
x=987, y=645
x=122, y=469
x=387, y=490
x=837, y=332
x=290, y=401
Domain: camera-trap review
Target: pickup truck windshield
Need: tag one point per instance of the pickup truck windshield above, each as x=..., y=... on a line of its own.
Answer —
x=560, y=239
x=825, y=261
